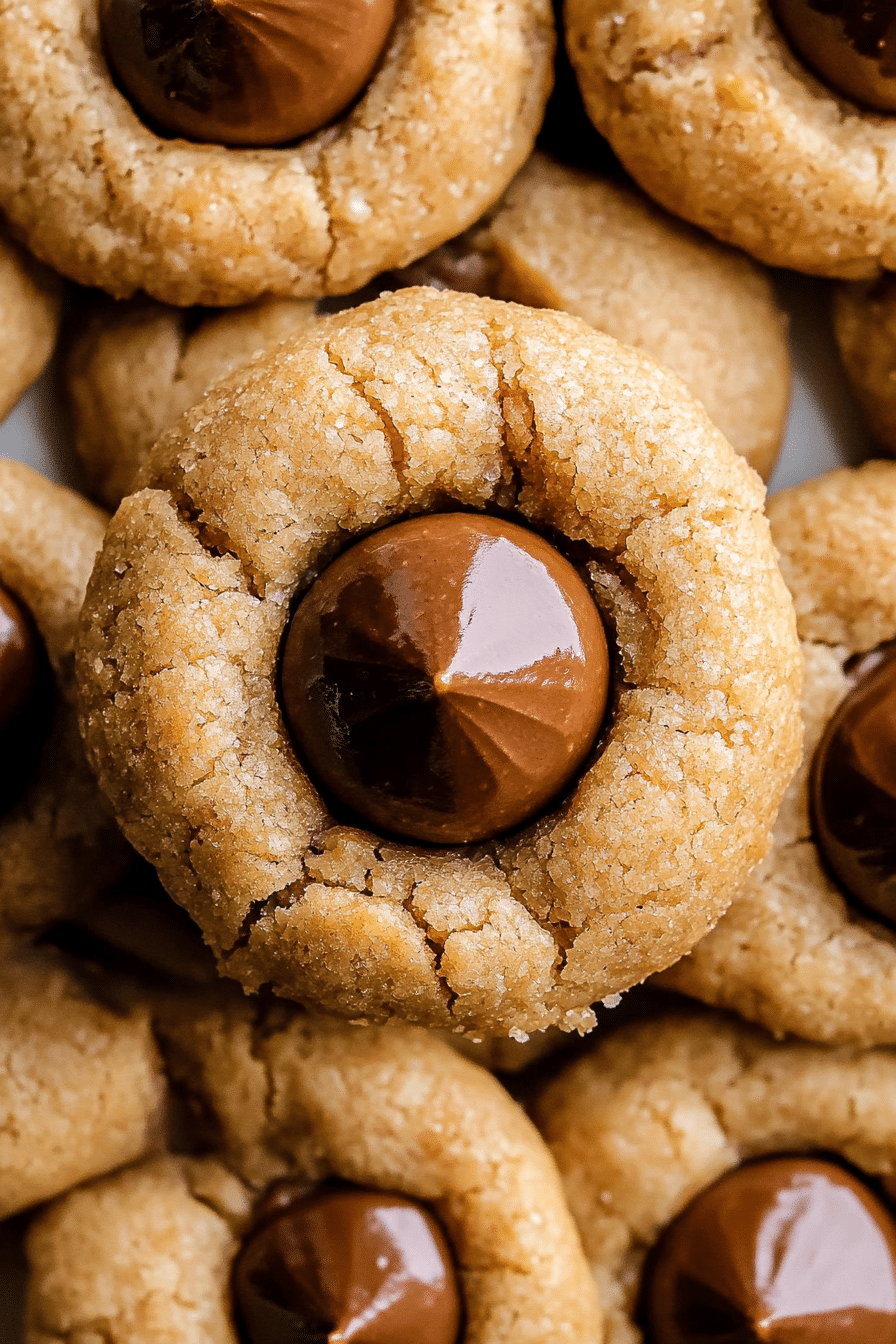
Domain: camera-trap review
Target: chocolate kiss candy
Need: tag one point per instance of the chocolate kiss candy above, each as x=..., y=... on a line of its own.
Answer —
x=446, y=677
x=244, y=72
x=851, y=44
x=853, y=789
x=785, y=1251
x=26, y=699
x=346, y=1264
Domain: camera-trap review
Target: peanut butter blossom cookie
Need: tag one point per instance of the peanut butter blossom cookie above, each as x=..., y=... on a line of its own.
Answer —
x=362, y=1183
x=213, y=153
x=771, y=125
x=865, y=327
x=29, y=319
x=59, y=845
x=728, y=1188
x=342, y=674
x=808, y=946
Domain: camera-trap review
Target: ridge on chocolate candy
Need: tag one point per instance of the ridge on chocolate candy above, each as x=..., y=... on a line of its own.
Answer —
x=25, y=692
x=853, y=790
x=244, y=72
x=786, y=1251
x=851, y=44
x=446, y=677
x=341, y=1263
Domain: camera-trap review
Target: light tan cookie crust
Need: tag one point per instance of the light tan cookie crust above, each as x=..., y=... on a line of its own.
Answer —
x=448, y=118
x=388, y=1108
x=566, y=239
x=133, y=368
x=713, y=114
x=658, y=1111
x=81, y=1087
x=791, y=952
x=393, y=408
x=865, y=328
x=30, y=301
x=59, y=844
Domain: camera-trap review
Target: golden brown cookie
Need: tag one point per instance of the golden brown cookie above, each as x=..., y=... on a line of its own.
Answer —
x=450, y=114
x=795, y=952
x=400, y=407
x=865, y=327
x=81, y=1084
x=711, y=110
x=659, y=1111
x=30, y=300
x=59, y=845
x=290, y=1098
x=563, y=238
x=133, y=368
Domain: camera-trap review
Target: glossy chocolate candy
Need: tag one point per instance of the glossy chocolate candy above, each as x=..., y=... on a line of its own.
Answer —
x=25, y=698
x=783, y=1251
x=244, y=72
x=341, y=1263
x=851, y=44
x=446, y=677
x=853, y=790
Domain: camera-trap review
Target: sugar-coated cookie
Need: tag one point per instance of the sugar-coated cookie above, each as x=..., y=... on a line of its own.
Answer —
x=643, y=1126
x=99, y=190
x=30, y=300
x=713, y=111
x=799, y=951
x=81, y=1083
x=406, y=406
x=308, y=1109
x=59, y=845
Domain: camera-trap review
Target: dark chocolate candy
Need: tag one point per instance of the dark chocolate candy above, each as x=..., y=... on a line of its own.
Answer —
x=26, y=685
x=851, y=44
x=782, y=1251
x=446, y=677
x=244, y=72
x=342, y=1263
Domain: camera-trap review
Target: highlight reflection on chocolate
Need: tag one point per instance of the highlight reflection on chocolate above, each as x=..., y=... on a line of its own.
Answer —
x=25, y=698
x=851, y=44
x=853, y=788
x=342, y=1263
x=446, y=677
x=244, y=72
x=786, y=1251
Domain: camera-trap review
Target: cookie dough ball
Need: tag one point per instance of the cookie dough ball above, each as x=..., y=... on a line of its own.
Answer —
x=30, y=300
x=713, y=112
x=412, y=404
x=81, y=1085
x=295, y=1100
x=865, y=327
x=449, y=115
x=660, y=1111
x=59, y=845
x=133, y=368
x=797, y=951
x=564, y=239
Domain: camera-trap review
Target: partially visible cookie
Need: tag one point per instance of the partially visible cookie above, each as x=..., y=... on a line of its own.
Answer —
x=291, y=1105
x=30, y=302
x=59, y=845
x=865, y=327
x=563, y=238
x=133, y=368
x=81, y=1082
x=798, y=951
x=658, y=1112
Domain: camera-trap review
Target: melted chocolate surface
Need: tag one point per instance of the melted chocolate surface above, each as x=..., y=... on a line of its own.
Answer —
x=446, y=677
x=343, y=1263
x=782, y=1251
x=26, y=698
x=851, y=44
x=853, y=791
x=244, y=72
